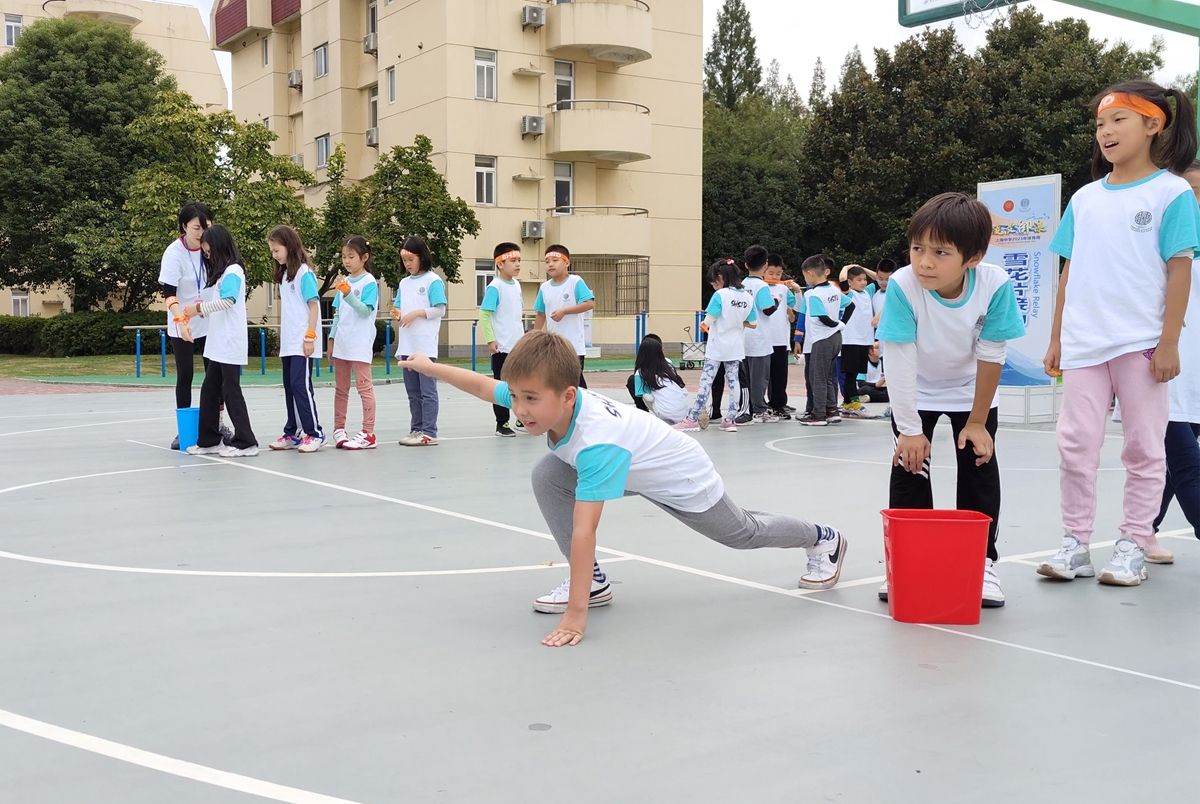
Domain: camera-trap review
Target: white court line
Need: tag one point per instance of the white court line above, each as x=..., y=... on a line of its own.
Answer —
x=98, y=474
x=77, y=426
x=792, y=593
x=55, y=562
x=163, y=764
x=771, y=446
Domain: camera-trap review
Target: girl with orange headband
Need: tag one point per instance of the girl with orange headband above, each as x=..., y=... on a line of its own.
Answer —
x=1136, y=228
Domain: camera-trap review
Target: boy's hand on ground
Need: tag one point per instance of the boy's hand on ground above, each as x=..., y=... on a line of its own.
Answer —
x=569, y=631
x=911, y=453
x=1164, y=364
x=981, y=442
x=417, y=362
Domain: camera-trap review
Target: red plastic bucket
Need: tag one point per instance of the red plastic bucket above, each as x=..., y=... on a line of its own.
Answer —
x=935, y=564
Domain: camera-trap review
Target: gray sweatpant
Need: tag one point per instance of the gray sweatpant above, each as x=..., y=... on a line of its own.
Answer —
x=823, y=377
x=554, y=483
x=760, y=374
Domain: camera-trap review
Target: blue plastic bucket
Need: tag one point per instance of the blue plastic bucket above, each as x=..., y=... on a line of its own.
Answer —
x=188, y=420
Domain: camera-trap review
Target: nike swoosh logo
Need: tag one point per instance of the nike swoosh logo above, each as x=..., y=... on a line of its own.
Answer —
x=836, y=553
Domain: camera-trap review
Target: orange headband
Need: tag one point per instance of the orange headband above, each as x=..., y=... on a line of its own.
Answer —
x=1134, y=103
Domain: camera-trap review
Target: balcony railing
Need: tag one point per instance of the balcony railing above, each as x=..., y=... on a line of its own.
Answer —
x=616, y=31
x=599, y=130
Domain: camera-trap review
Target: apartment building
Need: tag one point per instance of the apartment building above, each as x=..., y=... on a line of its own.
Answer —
x=566, y=122
x=175, y=30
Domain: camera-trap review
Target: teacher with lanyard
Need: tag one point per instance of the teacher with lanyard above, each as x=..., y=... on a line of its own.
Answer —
x=183, y=276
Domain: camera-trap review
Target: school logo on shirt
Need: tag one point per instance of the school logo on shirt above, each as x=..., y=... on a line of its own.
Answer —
x=1142, y=221
x=739, y=303
x=979, y=324
x=421, y=290
x=566, y=296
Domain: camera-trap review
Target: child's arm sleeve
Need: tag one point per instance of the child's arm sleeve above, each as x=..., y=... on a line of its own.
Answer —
x=1002, y=323
x=602, y=471
x=1179, y=234
x=1064, y=237
x=437, y=300
x=902, y=385
x=308, y=287
x=485, y=325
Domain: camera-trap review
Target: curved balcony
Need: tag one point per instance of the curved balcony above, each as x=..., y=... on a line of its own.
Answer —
x=616, y=31
x=599, y=131
x=600, y=230
x=124, y=14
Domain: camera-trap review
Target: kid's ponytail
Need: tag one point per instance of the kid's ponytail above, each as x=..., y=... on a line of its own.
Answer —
x=1174, y=146
x=727, y=269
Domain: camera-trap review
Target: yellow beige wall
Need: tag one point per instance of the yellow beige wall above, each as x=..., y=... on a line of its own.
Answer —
x=431, y=45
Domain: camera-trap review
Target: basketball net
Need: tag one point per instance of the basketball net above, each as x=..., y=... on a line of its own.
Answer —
x=979, y=13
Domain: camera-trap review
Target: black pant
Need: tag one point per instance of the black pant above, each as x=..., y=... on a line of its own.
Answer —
x=777, y=388
x=637, y=400
x=978, y=486
x=502, y=413
x=718, y=390
x=874, y=392
x=582, y=381
x=854, y=362
x=223, y=381
x=185, y=358
x=1183, y=473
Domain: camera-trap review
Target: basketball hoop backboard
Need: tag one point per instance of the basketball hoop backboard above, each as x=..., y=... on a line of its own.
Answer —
x=915, y=13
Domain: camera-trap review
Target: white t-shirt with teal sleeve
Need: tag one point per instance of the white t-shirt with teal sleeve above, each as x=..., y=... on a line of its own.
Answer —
x=1119, y=239
x=859, y=331
x=758, y=339
x=946, y=331
x=419, y=292
x=823, y=300
x=294, y=296
x=228, y=341
x=777, y=326
x=502, y=299
x=568, y=293
x=355, y=339
x=617, y=449
x=727, y=311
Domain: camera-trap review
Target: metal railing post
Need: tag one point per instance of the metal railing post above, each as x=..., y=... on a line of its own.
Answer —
x=474, y=324
x=137, y=351
x=262, y=351
x=162, y=352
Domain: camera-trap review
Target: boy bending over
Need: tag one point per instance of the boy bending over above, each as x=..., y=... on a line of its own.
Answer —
x=601, y=451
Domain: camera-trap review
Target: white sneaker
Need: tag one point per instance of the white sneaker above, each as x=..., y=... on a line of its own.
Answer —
x=993, y=595
x=824, y=563
x=1127, y=567
x=1073, y=560
x=311, y=443
x=340, y=437
x=196, y=449
x=410, y=439
x=233, y=452
x=556, y=601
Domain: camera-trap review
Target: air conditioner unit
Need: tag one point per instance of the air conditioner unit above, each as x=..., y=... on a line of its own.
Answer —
x=371, y=43
x=373, y=137
x=295, y=78
x=533, y=125
x=298, y=159
x=533, y=17
x=533, y=230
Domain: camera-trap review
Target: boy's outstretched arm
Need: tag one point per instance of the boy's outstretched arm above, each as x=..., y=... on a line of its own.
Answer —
x=476, y=385
x=583, y=555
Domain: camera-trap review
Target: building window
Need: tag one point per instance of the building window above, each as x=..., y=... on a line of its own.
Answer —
x=322, y=151
x=266, y=51
x=20, y=303
x=564, y=187
x=391, y=84
x=485, y=180
x=321, y=56
x=621, y=284
x=372, y=17
x=12, y=30
x=485, y=272
x=373, y=106
x=485, y=74
x=564, y=82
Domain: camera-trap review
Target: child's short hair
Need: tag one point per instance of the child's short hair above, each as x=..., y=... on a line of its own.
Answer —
x=193, y=210
x=829, y=263
x=775, y=261
x=542, y=355
x=885, y=266
x=414, y=244
x=558, y=248
x=504, y=248
x=755, y=258
x=954, y=218
x=817, y=263
x=855, y=270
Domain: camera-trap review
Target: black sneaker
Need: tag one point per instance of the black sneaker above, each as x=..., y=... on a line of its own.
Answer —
x=504, y=431
x=745, y=418
x=175, y=443
x=834, y=416
x=788, y=409
x=520, y=425
x=781, y=414
x=812, y=421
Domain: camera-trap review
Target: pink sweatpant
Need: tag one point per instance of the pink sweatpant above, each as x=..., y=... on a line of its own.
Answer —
x=366, y=392
x=1087, y=393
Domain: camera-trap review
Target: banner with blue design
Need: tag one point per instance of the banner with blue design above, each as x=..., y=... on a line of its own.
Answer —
x=1025, y=215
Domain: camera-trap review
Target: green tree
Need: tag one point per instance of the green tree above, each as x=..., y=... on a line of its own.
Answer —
x=69, y=91
x=213, y=158
x=1037, y=80
x=732, y=71
x=405, y=195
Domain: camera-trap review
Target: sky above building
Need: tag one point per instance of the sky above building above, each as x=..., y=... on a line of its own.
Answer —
x=797, y=33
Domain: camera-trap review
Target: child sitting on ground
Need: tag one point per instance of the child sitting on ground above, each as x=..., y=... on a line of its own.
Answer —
x=656, y=386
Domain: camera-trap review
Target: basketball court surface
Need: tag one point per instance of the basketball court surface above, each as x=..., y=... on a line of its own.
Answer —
x=357, y=627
